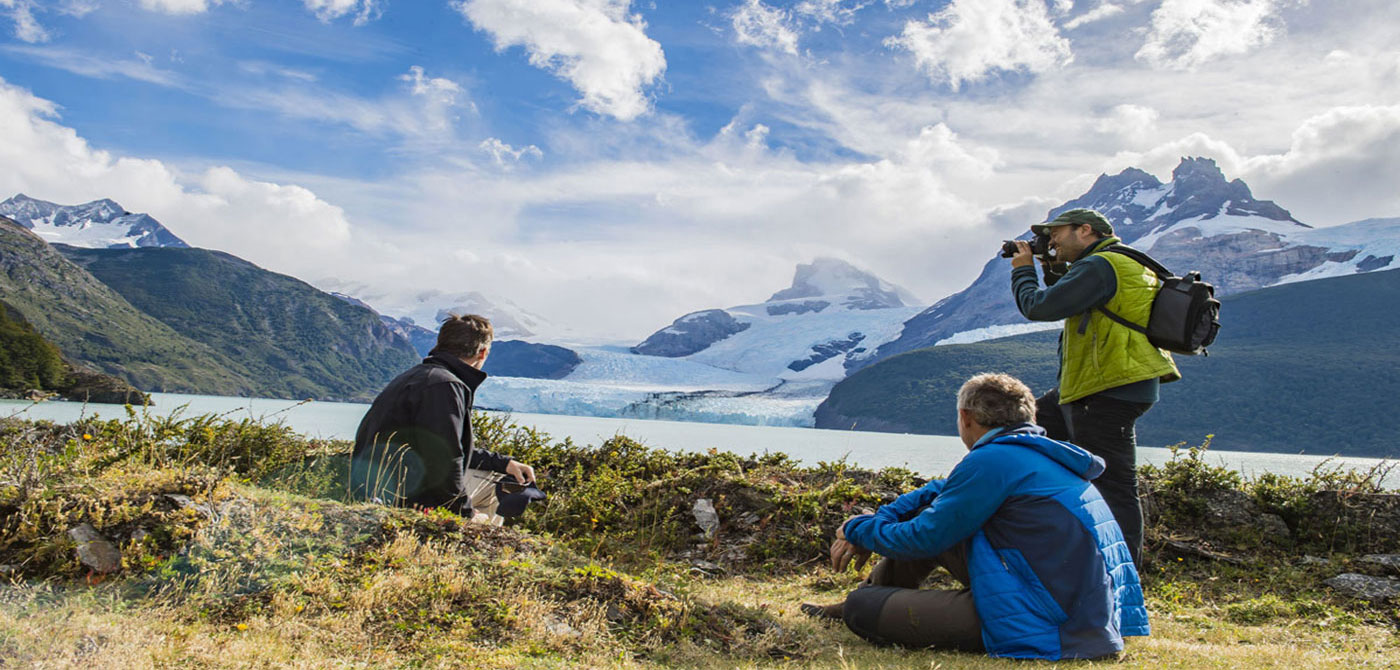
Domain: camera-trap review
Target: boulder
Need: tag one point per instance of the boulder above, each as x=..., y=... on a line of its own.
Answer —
x=89, y=386
x=1390, y=562
x=94, y=550
x=706, y=516
x=1365, y=587
x=1230, y=509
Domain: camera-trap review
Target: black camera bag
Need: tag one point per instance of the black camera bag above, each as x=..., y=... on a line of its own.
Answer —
x=1185, y=314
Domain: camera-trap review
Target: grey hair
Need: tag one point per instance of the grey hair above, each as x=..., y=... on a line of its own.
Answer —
x=996, y=400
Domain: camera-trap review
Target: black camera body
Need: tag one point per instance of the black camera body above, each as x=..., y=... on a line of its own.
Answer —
x=1040, y=246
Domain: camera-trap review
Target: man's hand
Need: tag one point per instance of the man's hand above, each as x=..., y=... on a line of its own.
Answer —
x=522, y=473
x=842, y=551
x=1023, y=256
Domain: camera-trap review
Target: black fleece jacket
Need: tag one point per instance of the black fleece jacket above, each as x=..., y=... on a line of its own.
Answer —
x=427, y=409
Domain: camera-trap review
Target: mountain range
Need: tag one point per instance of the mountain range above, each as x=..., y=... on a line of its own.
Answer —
x=771, y=362
x=97, y=224
x=1303, y=367
x=1197, y=221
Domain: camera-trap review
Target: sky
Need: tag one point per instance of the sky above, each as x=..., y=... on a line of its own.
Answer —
x=612, y=164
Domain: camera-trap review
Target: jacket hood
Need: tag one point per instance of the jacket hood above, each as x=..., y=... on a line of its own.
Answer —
x=1074, y=458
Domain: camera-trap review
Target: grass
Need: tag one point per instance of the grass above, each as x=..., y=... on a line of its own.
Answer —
x=241, y=549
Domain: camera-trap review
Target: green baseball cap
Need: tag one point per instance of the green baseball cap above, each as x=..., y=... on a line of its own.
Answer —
x=1075, y=217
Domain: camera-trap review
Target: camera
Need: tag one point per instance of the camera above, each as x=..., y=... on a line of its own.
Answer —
x=1040, y=246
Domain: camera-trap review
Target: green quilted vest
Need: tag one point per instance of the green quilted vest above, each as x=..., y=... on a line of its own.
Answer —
x=1098, y=354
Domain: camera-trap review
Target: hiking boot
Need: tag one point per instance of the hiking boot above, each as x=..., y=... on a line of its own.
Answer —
x=832, y=611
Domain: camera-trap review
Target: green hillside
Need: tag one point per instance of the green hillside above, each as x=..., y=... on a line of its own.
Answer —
x=92, y=324
x=27, y=360
x=289, y=338
x=1310, y=367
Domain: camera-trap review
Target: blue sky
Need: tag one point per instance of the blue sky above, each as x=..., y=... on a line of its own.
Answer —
x=611, y=165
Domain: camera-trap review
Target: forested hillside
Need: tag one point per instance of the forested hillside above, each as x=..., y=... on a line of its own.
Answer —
x=290, y=339
x=94, y=325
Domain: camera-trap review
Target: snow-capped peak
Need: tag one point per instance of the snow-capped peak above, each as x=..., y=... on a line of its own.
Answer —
x=840, y=282
x=100, y=224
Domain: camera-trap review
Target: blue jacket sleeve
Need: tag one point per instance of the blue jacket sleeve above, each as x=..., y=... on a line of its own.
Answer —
x=972, y=493
x=1089, y=283
x=906, y=506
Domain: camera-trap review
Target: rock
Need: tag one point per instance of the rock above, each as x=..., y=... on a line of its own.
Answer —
x=184, y=502
x=1390, y=562
x=690, y=333
x=1350, y=522
x=1230, y=508
x=92, y=386
x=1315, y=560
x=706, y=516
x=798, y=307
x=94, y=551
x=1364, y=587
x=827, y=350
x=560, y=628
x=705, y=568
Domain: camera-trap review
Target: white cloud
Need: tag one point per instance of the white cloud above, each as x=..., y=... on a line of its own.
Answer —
x=79, y=8
x=329, y=10
x=1099, y=13
x=506, y=155
x=427, y=107
x=438, y=98
x=1186, y=34
x=596, y=45
x=839, y=12
x=1340, y=166
x=1130, y=122
x=969, y=39
x=759, y=25
x=27, y=28
x=86, y=65
x=180, y=7
x=218, y=209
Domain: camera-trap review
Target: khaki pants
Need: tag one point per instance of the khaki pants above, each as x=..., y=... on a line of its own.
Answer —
x=481, y=487
x=890, y=608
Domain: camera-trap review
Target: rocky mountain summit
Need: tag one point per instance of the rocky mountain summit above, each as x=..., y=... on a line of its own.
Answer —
x=1197, y=221
x=832, y=310
x=828, y=277
x=100, y=224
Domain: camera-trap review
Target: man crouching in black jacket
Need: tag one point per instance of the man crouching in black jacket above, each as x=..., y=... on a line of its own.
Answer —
x=414, y=446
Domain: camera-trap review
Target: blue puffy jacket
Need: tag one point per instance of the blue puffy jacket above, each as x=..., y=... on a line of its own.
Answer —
x=1051, y=575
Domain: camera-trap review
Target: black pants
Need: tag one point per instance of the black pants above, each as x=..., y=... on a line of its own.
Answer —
x=890, y=608
x=1104, y=427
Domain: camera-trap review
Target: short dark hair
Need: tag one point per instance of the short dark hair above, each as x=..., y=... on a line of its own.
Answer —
x=464, y=336
x=997, y=400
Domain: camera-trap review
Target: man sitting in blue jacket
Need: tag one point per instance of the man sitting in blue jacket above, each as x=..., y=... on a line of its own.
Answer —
x=1019, y=523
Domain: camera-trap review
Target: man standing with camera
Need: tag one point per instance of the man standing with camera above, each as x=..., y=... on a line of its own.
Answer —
x=1109, y=374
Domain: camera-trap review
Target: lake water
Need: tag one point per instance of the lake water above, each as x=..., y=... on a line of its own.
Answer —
x=928, y=455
